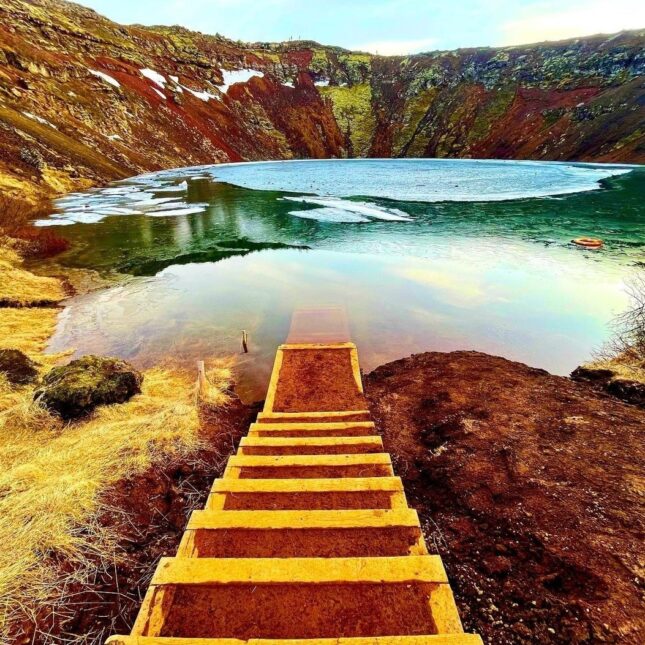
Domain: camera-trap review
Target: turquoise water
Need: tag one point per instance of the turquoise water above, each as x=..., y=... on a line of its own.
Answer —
x=423, y=254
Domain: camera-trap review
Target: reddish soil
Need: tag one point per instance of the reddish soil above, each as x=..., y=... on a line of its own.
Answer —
x=317, y=380
x=529, y=486
x=305, y=543
x=268, y=611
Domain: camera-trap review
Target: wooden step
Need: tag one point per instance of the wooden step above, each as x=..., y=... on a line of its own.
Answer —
x=282, y=461
x=313, y=429
x=254, y=445
x=345, y=484
x=311, y=534
x=294, y=571
x=307, y=494
x=313, y=417
x=309, y=466
x=302, y=519
x=430, y=639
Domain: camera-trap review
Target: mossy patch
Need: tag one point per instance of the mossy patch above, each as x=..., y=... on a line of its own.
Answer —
x=409, y=140
x=75, y=389
x=499, y=102
x=352, y=107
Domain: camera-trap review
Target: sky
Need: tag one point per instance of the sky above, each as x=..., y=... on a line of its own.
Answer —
x=386, y=26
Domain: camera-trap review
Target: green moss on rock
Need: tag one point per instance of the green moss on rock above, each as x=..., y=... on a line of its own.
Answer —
x=74, y=390
x=352, y=107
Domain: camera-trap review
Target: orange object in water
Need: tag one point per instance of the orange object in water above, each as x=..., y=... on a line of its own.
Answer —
x=589, y=242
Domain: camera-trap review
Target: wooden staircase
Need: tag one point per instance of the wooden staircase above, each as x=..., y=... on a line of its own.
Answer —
x=308, y=537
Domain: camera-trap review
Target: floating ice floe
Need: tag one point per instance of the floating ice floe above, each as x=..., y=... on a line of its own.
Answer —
x=231, y=77
x=172, y=189
x=190, y=209
x=328, y=214
x=53, y=222
x=155, y=77
x=364, y=209
x=106, y=77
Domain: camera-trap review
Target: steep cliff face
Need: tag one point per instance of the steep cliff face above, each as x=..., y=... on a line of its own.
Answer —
x=84, y=100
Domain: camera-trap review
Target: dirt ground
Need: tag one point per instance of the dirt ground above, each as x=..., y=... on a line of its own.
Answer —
x=529, y=486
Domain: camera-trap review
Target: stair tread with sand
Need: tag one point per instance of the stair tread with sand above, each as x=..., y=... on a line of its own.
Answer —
x=307, y=538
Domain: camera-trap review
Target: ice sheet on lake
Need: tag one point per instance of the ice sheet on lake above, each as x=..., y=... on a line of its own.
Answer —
x=363, y=209
x=328, y=214
x=419, y=180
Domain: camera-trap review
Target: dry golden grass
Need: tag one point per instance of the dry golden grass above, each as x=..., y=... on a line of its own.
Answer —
x=625, y=366
x=52, y=478
x=20, y=288
x=27, y=329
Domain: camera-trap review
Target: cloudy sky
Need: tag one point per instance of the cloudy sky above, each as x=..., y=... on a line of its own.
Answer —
x=386, y=26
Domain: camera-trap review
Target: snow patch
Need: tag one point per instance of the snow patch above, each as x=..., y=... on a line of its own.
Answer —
x=288, y=84
x=204, y=96
x=323, y=83
x=231, y=77
x=40, y=119
x=114, y=137
x=105, y=77
x=155, y=77
x=161, y=94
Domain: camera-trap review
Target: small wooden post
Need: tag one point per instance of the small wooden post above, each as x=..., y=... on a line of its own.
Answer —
x=245, y=341
x=202, y=383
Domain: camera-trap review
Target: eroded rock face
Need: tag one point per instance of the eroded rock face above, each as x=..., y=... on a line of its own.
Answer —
x=74, y=390
x=17, y=367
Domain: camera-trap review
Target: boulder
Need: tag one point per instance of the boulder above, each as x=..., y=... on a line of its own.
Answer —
x=18, y=368
x=74, y=390
x=592, y=374
x=629, y=391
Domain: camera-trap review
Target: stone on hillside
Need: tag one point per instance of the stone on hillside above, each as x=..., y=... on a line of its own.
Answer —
x=75, y=389
x=629, y=391
x=592, y=374
x=18, y=368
